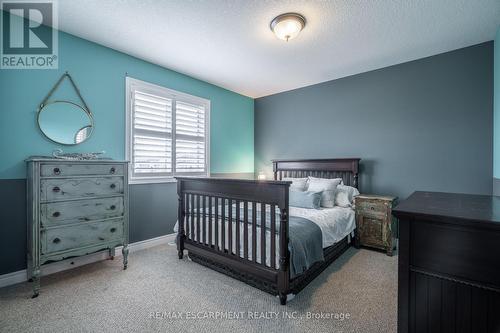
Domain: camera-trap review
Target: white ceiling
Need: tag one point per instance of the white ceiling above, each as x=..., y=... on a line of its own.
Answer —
x=229, y=43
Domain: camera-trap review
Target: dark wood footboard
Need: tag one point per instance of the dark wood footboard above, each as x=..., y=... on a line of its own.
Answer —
x=213, y=236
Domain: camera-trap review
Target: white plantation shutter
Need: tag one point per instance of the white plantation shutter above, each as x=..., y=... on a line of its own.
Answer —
x=152, y=135
x=168, y=133
x=190, y=138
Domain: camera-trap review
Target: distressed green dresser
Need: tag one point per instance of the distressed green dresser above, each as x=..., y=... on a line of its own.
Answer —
x=75, y=208
x=376, y=226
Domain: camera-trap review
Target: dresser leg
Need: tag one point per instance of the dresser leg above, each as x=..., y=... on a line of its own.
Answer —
x=125, y=256
x=36, y=282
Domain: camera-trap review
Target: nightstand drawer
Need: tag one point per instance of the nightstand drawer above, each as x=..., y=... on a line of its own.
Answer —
x=371, y=207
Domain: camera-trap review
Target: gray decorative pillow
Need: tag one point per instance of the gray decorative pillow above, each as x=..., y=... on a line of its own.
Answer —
x=305, y=199
x=327, y=187
x=299, y=184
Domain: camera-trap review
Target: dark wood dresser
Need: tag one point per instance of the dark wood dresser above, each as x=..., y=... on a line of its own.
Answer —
x=449, y=263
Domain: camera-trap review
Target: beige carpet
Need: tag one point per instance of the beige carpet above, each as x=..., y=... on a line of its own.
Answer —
x=359, y=290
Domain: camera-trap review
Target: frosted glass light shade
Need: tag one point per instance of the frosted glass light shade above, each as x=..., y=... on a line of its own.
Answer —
x=288, y=26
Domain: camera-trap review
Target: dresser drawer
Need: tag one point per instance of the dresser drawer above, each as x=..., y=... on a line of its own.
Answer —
x=465, y=253
x=61, y=189
x=80, y=169
x=370, y=207
x=84, y=234
x=80, y=210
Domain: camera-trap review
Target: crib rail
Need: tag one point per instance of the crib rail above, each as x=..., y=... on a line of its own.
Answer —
x=235, y=222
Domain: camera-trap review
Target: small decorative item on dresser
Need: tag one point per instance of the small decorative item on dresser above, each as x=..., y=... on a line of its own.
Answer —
x=374, y=221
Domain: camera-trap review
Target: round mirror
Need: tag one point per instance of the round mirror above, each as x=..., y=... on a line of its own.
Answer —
x=65, y=122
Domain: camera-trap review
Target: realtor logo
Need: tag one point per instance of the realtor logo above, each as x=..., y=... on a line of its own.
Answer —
x=29, y=35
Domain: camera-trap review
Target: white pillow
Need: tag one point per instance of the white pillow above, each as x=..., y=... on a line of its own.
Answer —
x=327, y=187
x=344, y=195
x=298, y=184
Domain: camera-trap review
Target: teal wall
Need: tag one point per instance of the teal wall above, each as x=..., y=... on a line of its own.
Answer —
x=99, y=72
x=496, y=107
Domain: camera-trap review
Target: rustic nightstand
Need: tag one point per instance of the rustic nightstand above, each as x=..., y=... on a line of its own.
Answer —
x=376, y=227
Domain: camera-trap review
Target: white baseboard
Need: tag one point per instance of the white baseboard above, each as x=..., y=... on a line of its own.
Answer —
x=145, y=244
x=21, y=276
x=12, y=278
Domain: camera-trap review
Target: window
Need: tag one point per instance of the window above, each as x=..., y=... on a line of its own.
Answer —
x=167, y=133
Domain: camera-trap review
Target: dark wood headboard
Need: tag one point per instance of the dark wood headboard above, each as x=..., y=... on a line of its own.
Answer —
x=345, y=168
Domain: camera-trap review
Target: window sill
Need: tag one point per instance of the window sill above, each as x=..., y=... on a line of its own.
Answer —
x=151, y=181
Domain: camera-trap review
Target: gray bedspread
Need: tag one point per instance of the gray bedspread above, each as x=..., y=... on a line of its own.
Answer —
x=305, y=238
x=305, y=245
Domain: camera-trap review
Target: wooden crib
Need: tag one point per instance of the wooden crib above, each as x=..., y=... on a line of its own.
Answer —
x=211, y=232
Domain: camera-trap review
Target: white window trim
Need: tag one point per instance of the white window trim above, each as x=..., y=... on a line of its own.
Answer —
x=153, y=88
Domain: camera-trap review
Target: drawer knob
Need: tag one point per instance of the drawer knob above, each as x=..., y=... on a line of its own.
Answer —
x=56, y=189
x=56, y=240
x=112, y=185
x=57, y=171
x=113, y=207
x=112, y=229
x=112, y=170
x=56, y=214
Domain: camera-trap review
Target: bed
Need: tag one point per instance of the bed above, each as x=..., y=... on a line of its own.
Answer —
x=246, y=228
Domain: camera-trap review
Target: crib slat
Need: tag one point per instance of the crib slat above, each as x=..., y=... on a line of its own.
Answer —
x=238, y=228
x=204, y=220
x=263, y=233
x=216, y=223
x=245, y=230
x=230, y=226
x=273, y=236
x=198, y=208
x=210, y=220
x=254, y=231
x=188, y=214
x=192, y=216
x=223, y=224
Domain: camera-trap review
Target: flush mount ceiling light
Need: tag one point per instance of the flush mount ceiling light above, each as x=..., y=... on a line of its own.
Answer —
x=287, y=26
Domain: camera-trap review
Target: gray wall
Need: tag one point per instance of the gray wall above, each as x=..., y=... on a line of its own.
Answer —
x=13, y=227
x=153, y=212
x=421, y=125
